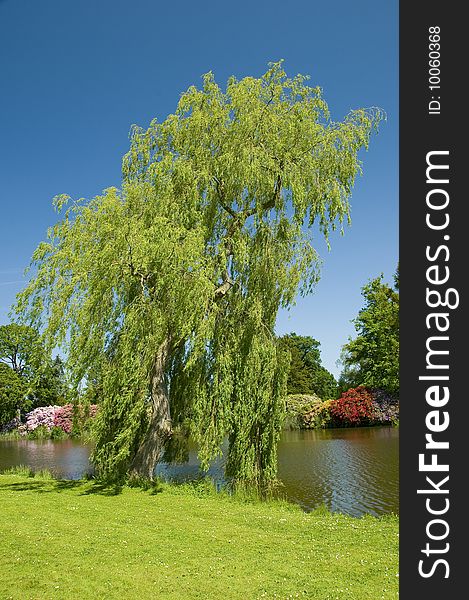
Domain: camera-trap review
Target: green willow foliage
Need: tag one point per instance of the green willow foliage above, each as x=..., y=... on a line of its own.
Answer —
x=170, y=287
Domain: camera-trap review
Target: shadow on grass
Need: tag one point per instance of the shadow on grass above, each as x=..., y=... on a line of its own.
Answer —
x=42, y=486
x=84, y=487
x=102, y=488
x=33, y=485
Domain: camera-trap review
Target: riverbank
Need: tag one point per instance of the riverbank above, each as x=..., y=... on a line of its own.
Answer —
x=350, y=470
x=78, y=539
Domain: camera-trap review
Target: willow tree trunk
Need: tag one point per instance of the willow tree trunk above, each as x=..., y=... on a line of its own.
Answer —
x=159, y=429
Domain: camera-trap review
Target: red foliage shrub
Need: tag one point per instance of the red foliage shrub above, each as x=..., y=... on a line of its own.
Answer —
x=354, y=407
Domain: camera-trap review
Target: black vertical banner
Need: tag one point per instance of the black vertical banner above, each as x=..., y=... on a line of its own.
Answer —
x=434, y=249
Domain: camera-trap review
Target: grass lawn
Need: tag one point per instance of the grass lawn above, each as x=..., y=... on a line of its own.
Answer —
x=63, y=539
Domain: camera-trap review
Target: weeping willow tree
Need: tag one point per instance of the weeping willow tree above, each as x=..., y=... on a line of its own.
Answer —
x=170, y=286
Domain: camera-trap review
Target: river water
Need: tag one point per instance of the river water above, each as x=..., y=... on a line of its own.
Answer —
x=353, y=471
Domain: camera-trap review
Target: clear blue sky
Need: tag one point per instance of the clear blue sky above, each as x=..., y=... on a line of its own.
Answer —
x=74, y=76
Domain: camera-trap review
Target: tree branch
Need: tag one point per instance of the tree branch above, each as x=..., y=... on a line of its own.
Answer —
x=224, y=287
x=221, y=198
x=272, y=201
x=143, y=277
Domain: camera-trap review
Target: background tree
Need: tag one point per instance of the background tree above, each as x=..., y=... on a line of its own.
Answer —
x=306, y=374
x=18, y=344
x=177, y=278
x=42, y=376
x=48, y=386
x=372, y=358
x=12, y=393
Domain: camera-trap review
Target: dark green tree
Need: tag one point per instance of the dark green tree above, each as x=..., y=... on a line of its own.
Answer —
x=178, y=277
x=18, y=348
x=48, y=385
x=372, y=358
x=12, y=393
x=42, y=376
x=306, y=374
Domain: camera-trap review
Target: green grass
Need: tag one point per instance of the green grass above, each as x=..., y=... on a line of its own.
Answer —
x=11, y=435
x=84, y=540
x=41, y=434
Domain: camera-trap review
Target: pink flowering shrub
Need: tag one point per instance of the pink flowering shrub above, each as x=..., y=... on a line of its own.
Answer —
x=63, y=418
x=70, y=417
x=43, y=415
